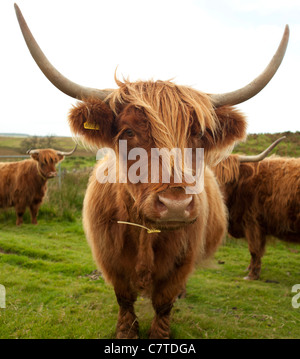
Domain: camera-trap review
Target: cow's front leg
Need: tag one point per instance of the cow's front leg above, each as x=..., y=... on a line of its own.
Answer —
x=20, y=210
x=160, y=326
x=34, y=209
x=127, y=326
x=163, y=298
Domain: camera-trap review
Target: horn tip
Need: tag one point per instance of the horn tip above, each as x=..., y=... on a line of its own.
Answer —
x=17, y=9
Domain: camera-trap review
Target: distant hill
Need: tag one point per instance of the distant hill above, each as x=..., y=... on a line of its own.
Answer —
x=14, y=135
x=257, y=143
x=11, y=144
x=14, y=145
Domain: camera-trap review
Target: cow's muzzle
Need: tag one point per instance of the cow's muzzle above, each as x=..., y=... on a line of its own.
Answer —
x=51, y=175
x=173, y=210
x=174, y=206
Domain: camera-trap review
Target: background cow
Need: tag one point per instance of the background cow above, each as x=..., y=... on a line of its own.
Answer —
x=153, y=115
x=263, y=198
x=23, y=184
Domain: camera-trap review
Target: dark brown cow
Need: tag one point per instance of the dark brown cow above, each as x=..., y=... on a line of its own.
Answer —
x=263, y=199
x=184, y=228
x=23, y=184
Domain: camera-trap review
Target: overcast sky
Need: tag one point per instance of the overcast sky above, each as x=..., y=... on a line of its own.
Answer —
x=211, y=45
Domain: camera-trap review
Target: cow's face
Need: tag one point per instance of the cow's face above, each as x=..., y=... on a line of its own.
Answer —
x=46, y=162
x=168, y=121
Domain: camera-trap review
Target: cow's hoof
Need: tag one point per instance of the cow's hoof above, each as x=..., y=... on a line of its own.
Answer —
x=127, y=335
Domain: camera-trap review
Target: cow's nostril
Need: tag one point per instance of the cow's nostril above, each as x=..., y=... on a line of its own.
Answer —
x=176, y=204
x=160, y=206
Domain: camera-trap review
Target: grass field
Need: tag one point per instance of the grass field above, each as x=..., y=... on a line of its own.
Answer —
x=53, y=291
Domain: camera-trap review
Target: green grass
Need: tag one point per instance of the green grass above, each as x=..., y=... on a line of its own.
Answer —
x=51, y=294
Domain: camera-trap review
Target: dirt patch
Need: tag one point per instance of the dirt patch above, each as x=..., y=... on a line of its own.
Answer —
x=95, y=275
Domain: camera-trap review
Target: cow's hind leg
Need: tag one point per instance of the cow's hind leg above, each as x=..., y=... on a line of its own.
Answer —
x=256, y=244
x=127, y=326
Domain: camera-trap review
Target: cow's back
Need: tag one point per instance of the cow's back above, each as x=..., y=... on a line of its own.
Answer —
x=270, y=197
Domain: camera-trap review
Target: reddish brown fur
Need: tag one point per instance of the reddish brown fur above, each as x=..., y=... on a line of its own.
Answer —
x=158, y=264
x=262, y=199
x=23, y=184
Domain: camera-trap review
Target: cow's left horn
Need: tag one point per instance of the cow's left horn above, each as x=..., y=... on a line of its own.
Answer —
x=61, y=82
x=66, y=153
x=254, y=87
x=262, y=155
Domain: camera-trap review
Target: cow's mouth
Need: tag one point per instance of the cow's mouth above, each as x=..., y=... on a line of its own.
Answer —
x=169, y=225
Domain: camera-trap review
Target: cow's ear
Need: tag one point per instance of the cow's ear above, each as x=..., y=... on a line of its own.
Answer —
x=93, y=120
x=35, y=156
x=231, y=128
x=60, y=158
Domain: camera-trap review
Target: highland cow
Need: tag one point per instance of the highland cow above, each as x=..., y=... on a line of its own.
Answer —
x=147, y=237
x=263, y=199
x=23, y=184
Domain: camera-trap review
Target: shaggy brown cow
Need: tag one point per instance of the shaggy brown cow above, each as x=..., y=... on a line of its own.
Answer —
x=24, y=184
x=263, y=198
x=186, y=228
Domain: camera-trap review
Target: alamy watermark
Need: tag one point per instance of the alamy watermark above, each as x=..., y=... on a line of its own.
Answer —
x=164, y=164
x=2, y=296
x=296, y=298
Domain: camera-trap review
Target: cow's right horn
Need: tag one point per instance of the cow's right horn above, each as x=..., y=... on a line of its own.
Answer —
x=61, y=82
x=262, y=155
x=253, y=88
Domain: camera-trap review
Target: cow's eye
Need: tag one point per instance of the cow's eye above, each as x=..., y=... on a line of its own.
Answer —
x=129, y=133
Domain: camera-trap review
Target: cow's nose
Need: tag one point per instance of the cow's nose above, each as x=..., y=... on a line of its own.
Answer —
x=174, y=209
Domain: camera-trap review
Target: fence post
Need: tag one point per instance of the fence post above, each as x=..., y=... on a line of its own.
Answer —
x=2, y=296
x=59, y=176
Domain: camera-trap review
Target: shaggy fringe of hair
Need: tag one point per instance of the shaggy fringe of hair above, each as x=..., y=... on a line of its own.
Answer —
x=170, y=109
x=47, y=155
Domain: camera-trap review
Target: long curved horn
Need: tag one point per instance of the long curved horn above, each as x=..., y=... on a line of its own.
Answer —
x=62, y=83
x=31, y=151
x=66, y=153
x=262, y=155
x=254, y=87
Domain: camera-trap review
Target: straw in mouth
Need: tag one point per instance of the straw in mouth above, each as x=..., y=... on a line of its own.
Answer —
x=139, y=225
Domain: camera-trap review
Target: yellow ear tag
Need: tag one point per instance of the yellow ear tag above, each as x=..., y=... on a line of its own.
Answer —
x=91, y=126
